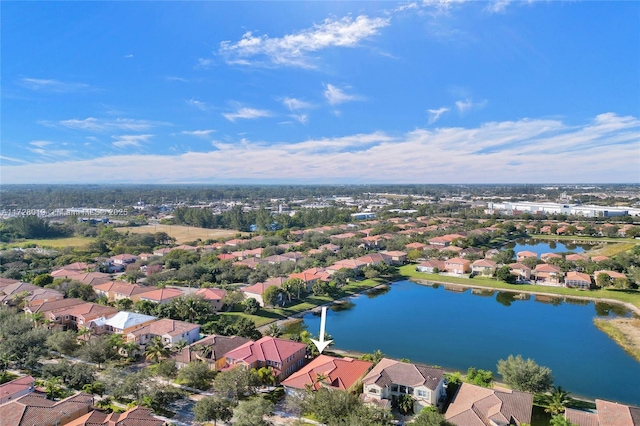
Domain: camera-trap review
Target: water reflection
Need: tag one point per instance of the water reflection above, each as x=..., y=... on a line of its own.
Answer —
x=342, y=305
x=375, y=292
x=604, y=309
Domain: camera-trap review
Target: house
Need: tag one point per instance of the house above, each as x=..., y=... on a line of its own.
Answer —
x=36, y=409
x=548, y=274
x=578, y=280
x=284, y=356
x=328, y=372
x=522, y=272
x=185, y=247
x=118, y=290
x=16, y=388
x=54, y=305
x=484, y=267
x=607, y=414
x=29, y=293
x=330, y=247
x=257, y=290
x=415, y=246
x=612, y=274
x=80, y=315
x=522, y=255
x=352, y=264
x=162, y=295
x=65, y=273
x=211, y=349
x=215, y=296
x=478, y=406
x=311, y=276
x=574, y=257
x=374, y=259
x=471, y=251
x=599, y=259
x=491, y=253
x=122, y=323
x=162, y=251
x=440, y=241
x=457, y=265
x=92, y=278
x=135, y=416
x=431, y=266
x=397, y=257
x=123, y=259
x=389, y=379
x=170, y=331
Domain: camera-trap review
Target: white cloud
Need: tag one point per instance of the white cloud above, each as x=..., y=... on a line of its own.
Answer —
x=335, y=95
x=102, y=125
x=497, y=6
x=292, y=49
x=40, y=144
x=202, y=106
x=50, y=85
x=204, y=63
x=467, y=104
x=434, y=114
x=597, y=151
x=198, y=133
x=15, y=160
x=128, y=56
x=123, y=141
x=247, y=113
x=295, y=104
x=301, y=118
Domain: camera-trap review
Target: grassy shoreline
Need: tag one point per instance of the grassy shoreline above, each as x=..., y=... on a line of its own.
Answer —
x=619, y=330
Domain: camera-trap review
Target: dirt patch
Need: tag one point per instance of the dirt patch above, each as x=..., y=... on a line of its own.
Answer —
x=183, y=233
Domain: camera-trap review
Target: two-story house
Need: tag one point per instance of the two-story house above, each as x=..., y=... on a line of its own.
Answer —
x=389, y=379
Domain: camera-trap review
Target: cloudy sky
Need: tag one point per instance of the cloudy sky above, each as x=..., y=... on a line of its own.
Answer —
x=441, y=91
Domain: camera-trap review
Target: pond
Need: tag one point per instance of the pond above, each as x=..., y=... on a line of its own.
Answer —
x=546, y=246
x=456, y=329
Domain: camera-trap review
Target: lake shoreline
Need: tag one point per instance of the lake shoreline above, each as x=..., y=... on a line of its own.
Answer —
x=627, y=305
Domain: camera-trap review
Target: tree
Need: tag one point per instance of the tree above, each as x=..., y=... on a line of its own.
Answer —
x=42, y=280
x=64, y=342
x=555, y=402
x=235, y=382
x=251, y=306
x=156, y=349
x=97, y=350
x=560, y=420
x=274, y=330
x=196, y=374
x=524, y=375
x=374, y=357
x=482, y=378
x=265, y=375
x=504, y=274
x=212, y=408
x=430, y=417
x=251, y=412
x=53, y=387
x=405, y=403
x=272, y=295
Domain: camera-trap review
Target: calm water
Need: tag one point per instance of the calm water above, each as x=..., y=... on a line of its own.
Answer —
x=541, y=247
x=457, y=330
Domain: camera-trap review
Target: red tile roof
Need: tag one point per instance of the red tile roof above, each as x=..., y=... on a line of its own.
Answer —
x=211, y=293
x=340, y=373
x=266, y=349
x=162, y=294
x=35, y=409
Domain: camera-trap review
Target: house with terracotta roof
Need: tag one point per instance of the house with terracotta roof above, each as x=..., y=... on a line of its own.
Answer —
x=415, y=246
x=16, y=388
x=397, y=257
x=135, y=416
x=210, y=350
x=598, y=259
x=485, y=267
x=607, y=414
x=35, y=409
x=328, y=372
x=574, y=257
x=612, y=274
x=522, y=255
x=311, y=276
x=65, y=273
x=52, y=306
x=457, y=265
x=170, y=331
x=284, y=356
x=440, y=241
x=161, y=295
x=390, y=378
x=118, y=290
x=330, y=247
x=375, y=259
x=430, y=266
x=548, y=274
x=215, y=296
x=185, y=247
x=80, y=315
x=547, y=256
x=521, y=271
x=352, y=264
x=92, y=278
x=577, y=280
x=162, y=251
x=9, y=293
x=257, y=290
x=123, y=259
x=478, y=406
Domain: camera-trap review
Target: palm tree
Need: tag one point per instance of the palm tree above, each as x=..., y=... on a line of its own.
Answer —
x=205, y=350
x=179, y=346
x=556, y=402
x=156, y=349
x=85, y=333
x=37, y=318
x=274, y=330
x=52, y=386
x=405, y=403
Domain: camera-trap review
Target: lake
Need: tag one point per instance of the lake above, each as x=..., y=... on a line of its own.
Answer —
x=542, y=246
x=458, y=329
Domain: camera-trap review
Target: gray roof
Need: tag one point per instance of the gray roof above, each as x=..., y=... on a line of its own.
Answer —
x=389, y=372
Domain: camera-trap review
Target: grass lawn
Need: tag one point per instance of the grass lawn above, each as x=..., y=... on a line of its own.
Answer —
x=182, y=233
x=611, y=250
x=626, y=296
x=55, y=242
x=261, y=318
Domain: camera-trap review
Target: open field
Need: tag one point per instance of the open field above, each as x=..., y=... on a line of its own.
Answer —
x=611, y=249
x=55, y=242
x=624, y=331
x=630, y=297
x=182, y=233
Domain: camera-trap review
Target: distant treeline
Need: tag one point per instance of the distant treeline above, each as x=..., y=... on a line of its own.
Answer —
x=119, y=196
x=263, y=220
x=30, y=227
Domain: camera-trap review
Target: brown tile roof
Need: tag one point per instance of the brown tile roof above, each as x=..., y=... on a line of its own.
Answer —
x=211, y=293
x=15, y=386
x=136, y=416
x=389, y=371
x=35, y=409
x=615, y=414
x=166, y=326
x=219, y=345
x=581, y=418
x=341, y=373
x=475, y=405
x=53, y=305
x=122, y=288
x=92, y=278
x=519, y=266
x=162, y=294
x=267, y=348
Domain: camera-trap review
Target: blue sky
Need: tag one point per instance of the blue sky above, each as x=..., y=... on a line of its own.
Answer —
x=439, y=91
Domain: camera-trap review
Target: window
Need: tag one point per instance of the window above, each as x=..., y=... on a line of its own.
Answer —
x=423, y=393
x=394, y=388
x=373, y=390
